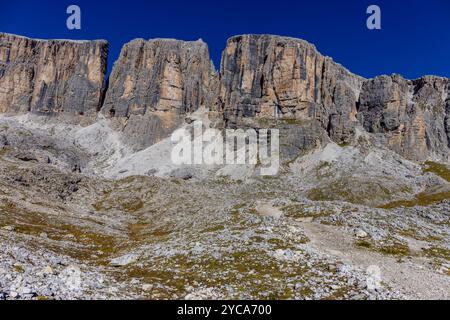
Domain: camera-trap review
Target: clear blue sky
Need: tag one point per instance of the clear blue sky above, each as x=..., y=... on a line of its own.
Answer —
x=414, y=40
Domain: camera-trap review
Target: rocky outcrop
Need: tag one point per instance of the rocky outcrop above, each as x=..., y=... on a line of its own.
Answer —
x=160, y=75
x=154, y=83
x=51, y=77
x=410, y=117
x=266, y=76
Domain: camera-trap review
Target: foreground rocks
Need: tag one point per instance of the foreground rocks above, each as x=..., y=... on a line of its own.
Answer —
x=97, y=210
x=69, y=236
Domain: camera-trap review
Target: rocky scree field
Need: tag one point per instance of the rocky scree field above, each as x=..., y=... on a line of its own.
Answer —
x=91, y=206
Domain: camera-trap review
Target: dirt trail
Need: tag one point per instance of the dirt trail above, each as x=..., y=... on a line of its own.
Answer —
x=412, y=277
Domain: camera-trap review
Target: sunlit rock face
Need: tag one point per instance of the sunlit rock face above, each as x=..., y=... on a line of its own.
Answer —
x=410, y=117
x=51, y=77
x=155, y=83
x=264, y=81
x=265, y=76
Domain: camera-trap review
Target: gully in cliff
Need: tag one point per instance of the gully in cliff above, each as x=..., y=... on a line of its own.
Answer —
x=196, y=146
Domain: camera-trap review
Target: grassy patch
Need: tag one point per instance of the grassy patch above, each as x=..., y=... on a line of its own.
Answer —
x=352, y=191
x=437, y=252
x=249, y=272
x=86, y=242
x=128, y=195
x=422, y=200
x=438, y=169
x=363, y=244
x=4, y=151
x=395, y=249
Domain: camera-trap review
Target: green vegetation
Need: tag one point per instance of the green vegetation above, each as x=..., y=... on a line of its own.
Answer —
x=438, y=169
x=4, y=151
x=353, y=191
x=422, y=199
x=250, y=271
x=298, y=210
x=391, y=247
x=127, y=195
x=395, y=249
x=36, y=223
x=428, y=197
x=437, y=252
x=364, y=244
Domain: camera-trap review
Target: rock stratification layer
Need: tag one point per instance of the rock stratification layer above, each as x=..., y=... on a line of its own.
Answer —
x=52, y=76
x=265, y=76
x=160, y=75
x=410, y=117
x=154, y=83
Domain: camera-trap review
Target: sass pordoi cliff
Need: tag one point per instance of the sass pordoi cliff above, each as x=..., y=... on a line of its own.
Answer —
x=155, y=84
x=87, y=186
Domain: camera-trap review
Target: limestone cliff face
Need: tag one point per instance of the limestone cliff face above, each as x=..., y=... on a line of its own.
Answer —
x=155, y=83
x=264, y=81
x=160, y=75
x=410, y=117
x=266, y=76
x=51, y=77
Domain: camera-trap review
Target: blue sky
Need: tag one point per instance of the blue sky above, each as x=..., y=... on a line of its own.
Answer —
x=414, y=40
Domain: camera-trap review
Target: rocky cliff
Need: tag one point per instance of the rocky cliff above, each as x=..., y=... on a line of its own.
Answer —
x=160, y=75
x=154, y=83
x=272, y=77
x=266, y=76
x=50, y=77
x=410, y=117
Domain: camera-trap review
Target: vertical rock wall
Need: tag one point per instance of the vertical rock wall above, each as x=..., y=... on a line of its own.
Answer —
x=50, y=77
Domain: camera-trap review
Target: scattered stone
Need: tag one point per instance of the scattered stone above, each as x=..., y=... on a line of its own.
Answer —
x=147, y=287
x=332, y=268
x=48, y=270
x=124, y=260
x=361, y=234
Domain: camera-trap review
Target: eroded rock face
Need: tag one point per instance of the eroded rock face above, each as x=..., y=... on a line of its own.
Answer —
x=410, y=117
x=154, y=83
x=266, y=76
x=51, y=77
x=160, y=75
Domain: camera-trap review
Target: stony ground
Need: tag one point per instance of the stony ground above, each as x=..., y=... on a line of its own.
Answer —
x=332, y=225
